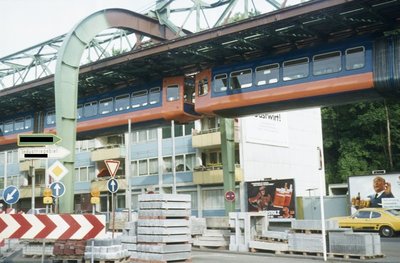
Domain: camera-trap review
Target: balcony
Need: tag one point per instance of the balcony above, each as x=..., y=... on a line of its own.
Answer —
x=38, y=164
x=206, y=139
x=101, y=184
x=114, y=151
x=26, y=191
x=213, y=174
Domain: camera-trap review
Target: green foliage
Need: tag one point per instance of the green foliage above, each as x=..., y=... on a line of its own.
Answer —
x=356, y=139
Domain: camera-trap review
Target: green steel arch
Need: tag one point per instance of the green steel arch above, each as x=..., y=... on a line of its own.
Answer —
x=67, y=73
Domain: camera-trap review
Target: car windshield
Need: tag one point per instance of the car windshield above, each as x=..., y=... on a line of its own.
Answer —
x=393, y=212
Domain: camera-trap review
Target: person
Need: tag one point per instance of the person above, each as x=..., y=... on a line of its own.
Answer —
x=382, y=189
x=260, y=201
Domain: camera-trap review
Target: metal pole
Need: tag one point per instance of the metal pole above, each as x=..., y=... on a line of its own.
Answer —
x=128, y=196
x=321, y=196
x=5, y=169
x=160, y=161
x=92, y=255
x=113, y=214
x=32, y=170
x=44, y=242
x=173, y=157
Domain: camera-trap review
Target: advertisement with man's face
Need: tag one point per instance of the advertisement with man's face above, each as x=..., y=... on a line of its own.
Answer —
x=374, y=191
x=277, y=197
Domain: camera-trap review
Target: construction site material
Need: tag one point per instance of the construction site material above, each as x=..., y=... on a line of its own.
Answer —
x=105, y=249
x=163, y=232
x=367, y=244
x=314, y=225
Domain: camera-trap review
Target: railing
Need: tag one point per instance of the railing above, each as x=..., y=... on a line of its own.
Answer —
x=213, y=130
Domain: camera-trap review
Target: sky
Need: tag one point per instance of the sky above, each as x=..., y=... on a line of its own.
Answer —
x=26, y=23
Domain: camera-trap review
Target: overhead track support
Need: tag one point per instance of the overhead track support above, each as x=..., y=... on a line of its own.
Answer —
x=67, y=74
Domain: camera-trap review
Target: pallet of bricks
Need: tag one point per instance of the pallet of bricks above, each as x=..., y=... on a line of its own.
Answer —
x=163, y=233
x=68, y=250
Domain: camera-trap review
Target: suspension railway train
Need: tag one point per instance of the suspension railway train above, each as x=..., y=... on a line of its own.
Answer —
x=336, y=73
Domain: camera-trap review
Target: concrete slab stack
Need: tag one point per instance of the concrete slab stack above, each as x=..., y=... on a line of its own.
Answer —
x=36, y=249
x=365, y=244
x=213, y=238
x=163, y=232
x=276, y=241
x=129, y=238
x=106, y=249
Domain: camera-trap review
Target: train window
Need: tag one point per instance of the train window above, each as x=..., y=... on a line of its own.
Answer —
x=154, y=96
x=327, y=63
x=172, y=92
x=203, y=86
x=295, y=69
x=241, y=79
x=8, y=126
x=90, y=109
x=106, y=106
x=28, y=122
x=267, y=74
x=122, y=102
x=80, y=111
x=1, y=128
x=51, y=117
x=220, y=82
x=19, y=124
x=355, y=58
x=139, y=98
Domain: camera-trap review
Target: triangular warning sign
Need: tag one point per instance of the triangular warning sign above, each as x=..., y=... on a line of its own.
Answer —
x=112, y=166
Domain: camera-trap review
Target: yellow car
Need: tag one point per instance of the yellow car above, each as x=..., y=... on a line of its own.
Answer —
x=385, y=221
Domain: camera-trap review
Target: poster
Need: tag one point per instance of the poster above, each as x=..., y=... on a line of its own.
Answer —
x=379, y=190
x=277, y=197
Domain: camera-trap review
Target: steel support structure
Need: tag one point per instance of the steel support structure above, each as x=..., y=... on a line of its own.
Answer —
x=67, y=74
x=228, y=160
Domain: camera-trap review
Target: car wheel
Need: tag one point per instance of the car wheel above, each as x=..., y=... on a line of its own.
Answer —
x=386, y=231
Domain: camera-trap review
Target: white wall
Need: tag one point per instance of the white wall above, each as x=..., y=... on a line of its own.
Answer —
x=283, y=145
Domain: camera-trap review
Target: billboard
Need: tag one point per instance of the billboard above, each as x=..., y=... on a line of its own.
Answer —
x=381, y=190
x=277, y=197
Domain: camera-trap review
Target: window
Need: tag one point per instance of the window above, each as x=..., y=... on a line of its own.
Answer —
x=241, y=79
x=90, y=109
x=152, y=134
x=178, y=130
x=188, y=128
x=51, y=118
x=122, y=102
x=220, y=82
x=8, y=126
x=190, y=161
x=153, y=166
x=355, y=58
x=139, y=98
x=143, y=167
x=19, y=124
x=295, y=69
x=166, y=132
x=80, y=111
x=167, y=164
x=267, y=74
x=1, y=128
x=213, y=199
x=327, y=63
x=134, y=168
x=172, y=92
x=375, y=215
x=362, y=214
x=106, y=106
x=84, y=174
x=179, y=163
x=142, y=136
x=155, y=95
x=203, y=86
x=28, y=122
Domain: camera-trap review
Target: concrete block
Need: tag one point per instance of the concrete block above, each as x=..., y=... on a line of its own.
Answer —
x=163, y=230
x=164, y=257
x=273, y=246
x=164, y=213
x=305, y=242
x=164, y=205
x=164, y=248
x=164, y=197
x=163, y=222
x=163, y=239
x=314, y=225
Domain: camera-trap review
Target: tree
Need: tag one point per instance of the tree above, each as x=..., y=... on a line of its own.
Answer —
x=361, y=137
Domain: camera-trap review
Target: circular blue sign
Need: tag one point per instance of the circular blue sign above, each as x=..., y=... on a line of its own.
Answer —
x=57, y=189
x=112, y=185
x=11, y=194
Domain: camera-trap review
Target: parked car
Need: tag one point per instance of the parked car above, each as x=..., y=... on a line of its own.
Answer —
x=385, y=221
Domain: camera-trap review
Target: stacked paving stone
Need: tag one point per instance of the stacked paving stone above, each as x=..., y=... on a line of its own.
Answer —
x=36, y=249
x=213, y=238
x=69, y=249
x=106, y=249
x=305, y=235
x=348, y=243
x=129, y=238
x=163, y=228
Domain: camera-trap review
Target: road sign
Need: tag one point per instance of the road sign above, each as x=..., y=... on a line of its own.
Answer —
x=11, y=194
x=47, y=152
x=39, y=139
x=57, y=189
x=57, y=171
x=112, y=166
x=230, y=196
x=59, y=227
x=112, y=185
